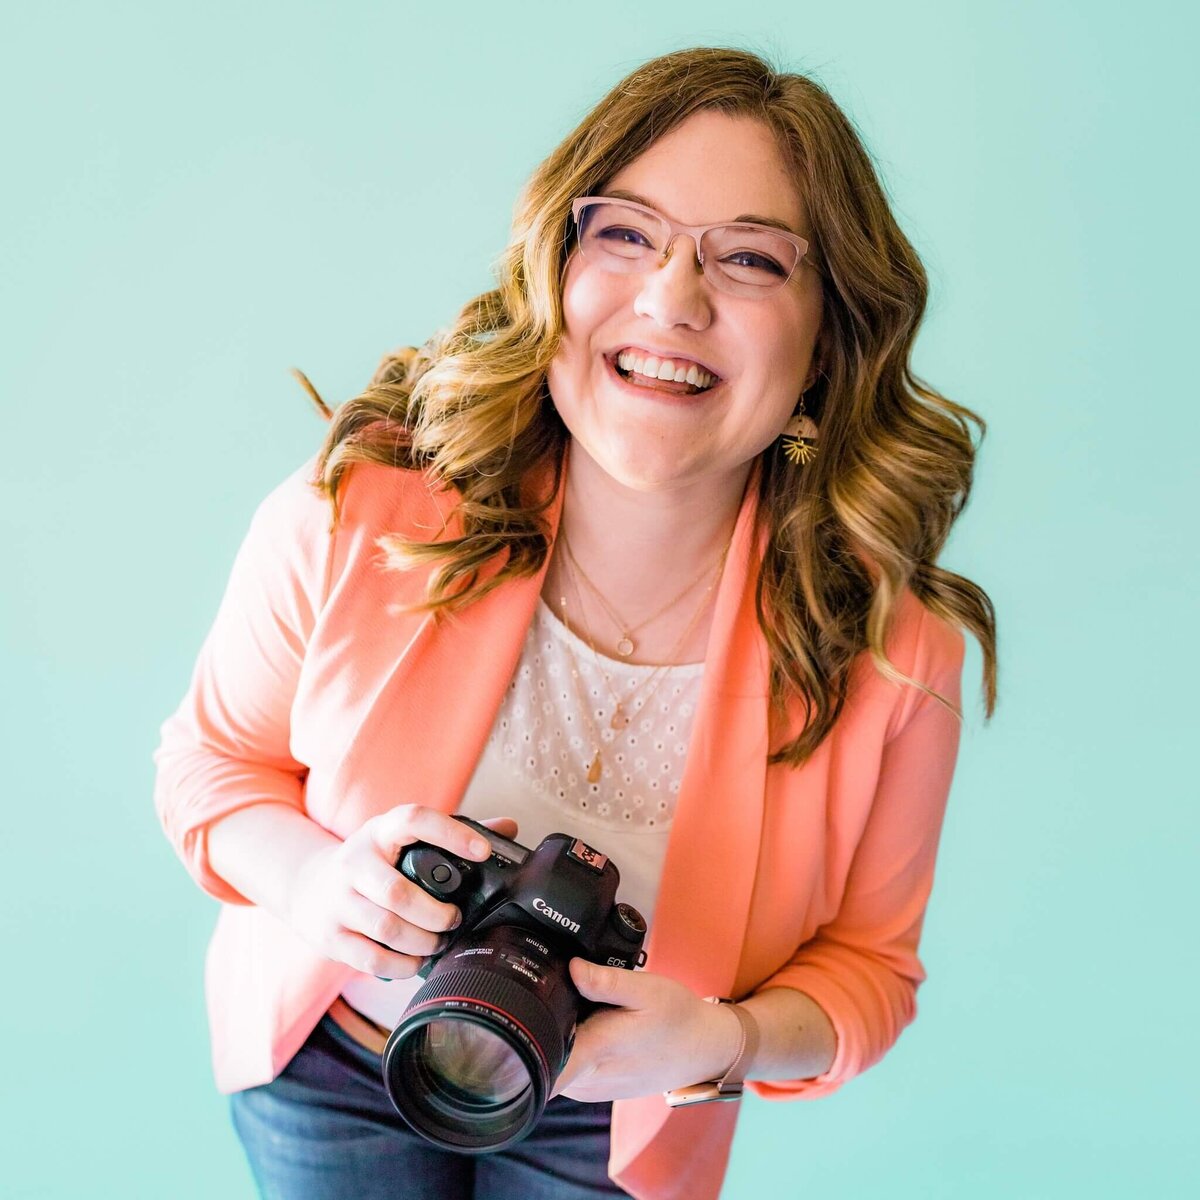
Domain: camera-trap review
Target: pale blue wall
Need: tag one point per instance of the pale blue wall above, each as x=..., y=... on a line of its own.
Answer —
x=198, y=197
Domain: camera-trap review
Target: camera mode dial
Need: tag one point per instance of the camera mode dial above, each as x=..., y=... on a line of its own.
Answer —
x=628, y=922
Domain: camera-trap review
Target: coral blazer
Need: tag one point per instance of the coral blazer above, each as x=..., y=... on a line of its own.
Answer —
x=315, y=688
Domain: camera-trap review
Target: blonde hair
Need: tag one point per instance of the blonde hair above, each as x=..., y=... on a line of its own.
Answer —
x=847, y=533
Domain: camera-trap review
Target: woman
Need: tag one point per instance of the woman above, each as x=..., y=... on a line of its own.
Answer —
x=643, y=548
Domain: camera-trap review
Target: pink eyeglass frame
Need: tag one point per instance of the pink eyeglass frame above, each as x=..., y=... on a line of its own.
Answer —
x=695, y=232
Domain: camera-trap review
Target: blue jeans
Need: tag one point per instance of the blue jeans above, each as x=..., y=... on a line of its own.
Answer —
x=325, y=1130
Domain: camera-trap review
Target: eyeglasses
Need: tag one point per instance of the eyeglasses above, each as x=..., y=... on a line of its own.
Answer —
x=628, y=238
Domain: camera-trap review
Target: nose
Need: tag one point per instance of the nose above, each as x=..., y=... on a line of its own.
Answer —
x=675, y=292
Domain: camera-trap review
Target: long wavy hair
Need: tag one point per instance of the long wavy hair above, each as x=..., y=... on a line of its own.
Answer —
x=848, y=532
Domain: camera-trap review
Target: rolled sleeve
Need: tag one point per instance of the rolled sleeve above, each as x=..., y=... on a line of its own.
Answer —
x=862, y=967
x=227, y=745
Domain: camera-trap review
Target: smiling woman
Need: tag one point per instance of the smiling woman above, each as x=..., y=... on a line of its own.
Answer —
x=685, y=497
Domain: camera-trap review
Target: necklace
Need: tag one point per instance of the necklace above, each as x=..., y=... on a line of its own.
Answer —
x=625, y=644
x=620, y=718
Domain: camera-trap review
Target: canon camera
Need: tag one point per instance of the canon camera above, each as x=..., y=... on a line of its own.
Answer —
x=472, y=1062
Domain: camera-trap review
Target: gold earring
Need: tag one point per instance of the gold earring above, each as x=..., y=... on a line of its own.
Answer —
x=800, y=438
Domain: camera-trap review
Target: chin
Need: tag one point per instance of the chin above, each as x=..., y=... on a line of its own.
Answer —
x=642, y=468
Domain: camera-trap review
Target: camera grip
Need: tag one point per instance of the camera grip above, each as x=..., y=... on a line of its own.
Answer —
x=438, y=873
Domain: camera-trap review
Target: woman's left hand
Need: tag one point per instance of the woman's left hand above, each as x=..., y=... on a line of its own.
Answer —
x=660, y=1035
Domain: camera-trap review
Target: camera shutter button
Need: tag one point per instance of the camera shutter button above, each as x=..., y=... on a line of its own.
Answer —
x=441, y=873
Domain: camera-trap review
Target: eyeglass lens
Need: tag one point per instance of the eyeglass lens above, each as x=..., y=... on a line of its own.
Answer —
x=739, y=258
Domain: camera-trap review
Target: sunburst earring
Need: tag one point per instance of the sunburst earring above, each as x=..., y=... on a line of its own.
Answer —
x=800, y=438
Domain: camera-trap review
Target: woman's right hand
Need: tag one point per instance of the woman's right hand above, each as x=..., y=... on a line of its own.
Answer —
x=349, y=902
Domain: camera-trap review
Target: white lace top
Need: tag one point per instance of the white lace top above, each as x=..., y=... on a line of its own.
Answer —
x=558, y=708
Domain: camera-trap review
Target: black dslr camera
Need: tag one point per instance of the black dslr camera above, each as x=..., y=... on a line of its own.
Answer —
x=472, y=1061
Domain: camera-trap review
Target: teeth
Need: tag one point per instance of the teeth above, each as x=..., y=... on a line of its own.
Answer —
x=679, y=370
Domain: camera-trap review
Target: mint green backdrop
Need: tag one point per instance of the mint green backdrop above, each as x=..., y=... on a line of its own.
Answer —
x=198, y=197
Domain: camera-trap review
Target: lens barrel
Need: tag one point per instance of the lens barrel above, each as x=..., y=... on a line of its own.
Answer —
x=472, y=1061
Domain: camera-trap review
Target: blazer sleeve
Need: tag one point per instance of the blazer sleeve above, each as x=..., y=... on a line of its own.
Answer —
x=862, y=967
x=227, y=745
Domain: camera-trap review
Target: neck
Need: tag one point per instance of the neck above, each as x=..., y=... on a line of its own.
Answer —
x=639, y=549
x=684, y=527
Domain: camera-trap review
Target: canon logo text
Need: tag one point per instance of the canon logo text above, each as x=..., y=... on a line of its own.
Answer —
x=565, y=922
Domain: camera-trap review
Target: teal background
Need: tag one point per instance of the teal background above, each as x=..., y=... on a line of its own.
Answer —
x=199, y=197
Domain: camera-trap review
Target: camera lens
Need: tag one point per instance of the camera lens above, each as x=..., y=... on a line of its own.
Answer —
x=472, y=1061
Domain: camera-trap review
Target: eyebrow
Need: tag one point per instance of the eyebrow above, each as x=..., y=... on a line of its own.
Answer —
x=752, y=218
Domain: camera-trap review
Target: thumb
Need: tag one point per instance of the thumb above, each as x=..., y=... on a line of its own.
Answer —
x=610, y=985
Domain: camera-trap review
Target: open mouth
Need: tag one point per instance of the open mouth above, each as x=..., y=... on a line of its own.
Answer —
x=699, y=381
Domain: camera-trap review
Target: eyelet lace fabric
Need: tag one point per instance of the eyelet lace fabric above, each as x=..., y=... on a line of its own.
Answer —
x=543, y=735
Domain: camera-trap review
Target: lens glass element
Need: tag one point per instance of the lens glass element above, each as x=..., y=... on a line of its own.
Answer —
x=473, y=1062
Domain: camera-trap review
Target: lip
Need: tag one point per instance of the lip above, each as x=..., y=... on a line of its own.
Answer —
x=678, y=399
x=647, y=351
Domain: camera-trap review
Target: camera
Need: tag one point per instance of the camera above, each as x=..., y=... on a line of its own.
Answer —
x=471, y=1064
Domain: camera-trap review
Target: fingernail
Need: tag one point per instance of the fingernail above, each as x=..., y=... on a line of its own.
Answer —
x=457, y=921
x=479, y=846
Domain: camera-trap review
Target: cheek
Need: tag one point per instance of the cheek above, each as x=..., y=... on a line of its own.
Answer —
x=778, y=357
x=594, y=301
x=564, y=363
x=583, y=303
x=792, y=344
x=780, y=364
x=590, y=302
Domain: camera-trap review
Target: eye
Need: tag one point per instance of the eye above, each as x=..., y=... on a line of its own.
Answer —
x=622, y=233
x=749, y=260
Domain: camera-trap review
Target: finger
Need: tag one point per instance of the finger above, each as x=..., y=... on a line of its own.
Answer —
x=612, y=985
x=506, y=827
x=408, y=823
x=371, y=958
x=383, y=885
x=360, y=915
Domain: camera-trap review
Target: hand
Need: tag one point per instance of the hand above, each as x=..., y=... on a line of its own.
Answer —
x=660, y=1035
x=349, y=902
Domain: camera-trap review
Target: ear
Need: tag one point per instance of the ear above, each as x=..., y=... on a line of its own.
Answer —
x=815, y=372
x=816, y=366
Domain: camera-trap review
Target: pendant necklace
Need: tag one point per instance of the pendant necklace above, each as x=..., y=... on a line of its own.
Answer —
x=625, y=644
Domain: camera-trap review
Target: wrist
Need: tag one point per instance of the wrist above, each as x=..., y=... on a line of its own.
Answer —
x=724, y=1040
x=727, y=1082
x=269, y=879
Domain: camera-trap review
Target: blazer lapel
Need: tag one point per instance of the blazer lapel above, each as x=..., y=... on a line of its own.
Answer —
x=704, y=897
x=431, y=718
x=703, y=906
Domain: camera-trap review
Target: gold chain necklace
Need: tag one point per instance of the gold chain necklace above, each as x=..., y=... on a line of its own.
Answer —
x=620, y=719
x=626, y=645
